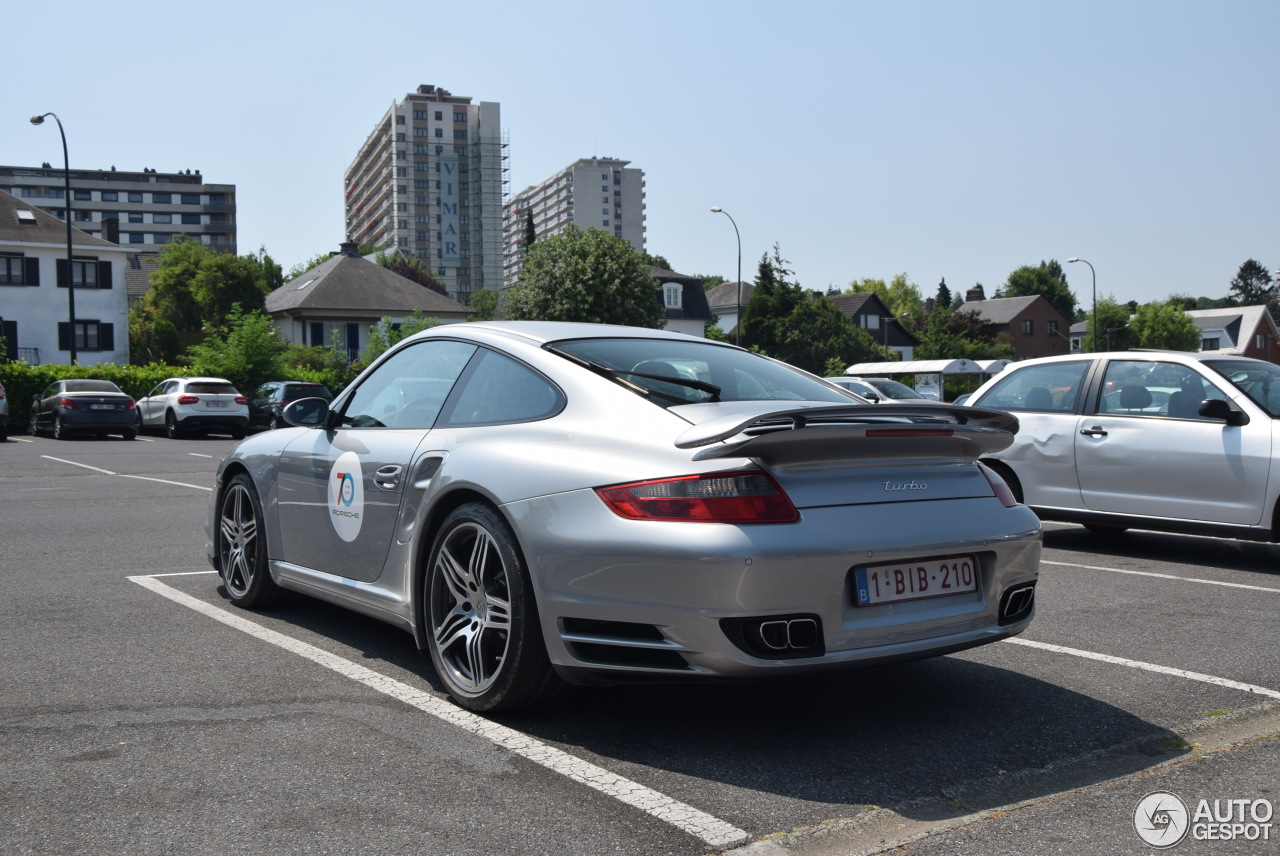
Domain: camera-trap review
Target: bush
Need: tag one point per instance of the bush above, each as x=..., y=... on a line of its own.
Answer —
x=22, y=382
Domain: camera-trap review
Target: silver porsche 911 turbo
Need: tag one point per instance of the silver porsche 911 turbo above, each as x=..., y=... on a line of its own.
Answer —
x=549, y=504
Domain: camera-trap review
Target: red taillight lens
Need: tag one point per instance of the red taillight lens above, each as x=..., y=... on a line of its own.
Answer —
x=747, y=497
x=240, y=399
x=188, y=399
x=130, y=405
x=67, y=403
x=1001, y=487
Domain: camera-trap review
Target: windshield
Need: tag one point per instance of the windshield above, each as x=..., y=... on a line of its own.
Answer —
x=699, y=371
x=891, y=388
x=1256, y=379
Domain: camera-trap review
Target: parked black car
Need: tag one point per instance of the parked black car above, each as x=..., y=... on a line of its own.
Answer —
x=269, y=399
x=83, y=407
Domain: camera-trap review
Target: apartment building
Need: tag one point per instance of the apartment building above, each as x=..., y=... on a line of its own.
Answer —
x=140, y=210
x=601, y=193
x=430, y=180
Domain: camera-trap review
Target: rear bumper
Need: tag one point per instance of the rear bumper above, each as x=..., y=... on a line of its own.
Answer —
x=84, y=420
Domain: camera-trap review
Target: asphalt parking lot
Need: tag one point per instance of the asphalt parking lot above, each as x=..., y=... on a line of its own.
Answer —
x=142, y=714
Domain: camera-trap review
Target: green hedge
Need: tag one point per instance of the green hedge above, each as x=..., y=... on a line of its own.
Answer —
x=22, y=382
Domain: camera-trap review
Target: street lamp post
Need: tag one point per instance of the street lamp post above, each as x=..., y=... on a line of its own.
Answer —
x=71, y=286
x=737, y=324
x=1094, y=326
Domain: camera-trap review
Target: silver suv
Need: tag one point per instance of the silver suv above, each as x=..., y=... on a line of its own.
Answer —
x=194, y=405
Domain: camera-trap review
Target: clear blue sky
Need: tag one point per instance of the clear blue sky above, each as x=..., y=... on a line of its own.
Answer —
x=867, y=139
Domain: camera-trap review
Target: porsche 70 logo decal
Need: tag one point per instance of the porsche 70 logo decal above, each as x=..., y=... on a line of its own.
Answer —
x=346, y=496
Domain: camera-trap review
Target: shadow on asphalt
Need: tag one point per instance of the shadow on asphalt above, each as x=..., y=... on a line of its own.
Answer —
x=884, y=735
x=1221, y=553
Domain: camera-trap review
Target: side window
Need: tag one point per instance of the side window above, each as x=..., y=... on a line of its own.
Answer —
x=497, y=389
x=1138, y=388
x=51, y=391
x=408, y=390
x=1049, y=388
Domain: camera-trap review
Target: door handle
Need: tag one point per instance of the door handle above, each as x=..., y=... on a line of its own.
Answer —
x=1095, y=431
x=388, y=477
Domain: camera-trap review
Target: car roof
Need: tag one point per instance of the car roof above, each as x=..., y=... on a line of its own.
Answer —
x=543, y=332
x=1135, y=353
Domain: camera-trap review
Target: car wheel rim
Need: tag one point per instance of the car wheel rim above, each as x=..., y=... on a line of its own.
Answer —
x=238, y=540
x=470, y=608
x=35, y=426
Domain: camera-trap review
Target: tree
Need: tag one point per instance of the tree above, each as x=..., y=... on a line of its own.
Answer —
x=586, y=276
x=943, y=298
x=530, y=234
x=772, y=301
x=658, y=262
x=899, y=295
x=710, y=281
x=1252, y=286
x=948, y=334
x=384, y=334
x=484, y=305
x=1049, y=280
x=1166, y=326
x=245, y=349
x=411, y=268
x=1113, y=327
x=815, y=333
x=195, y=285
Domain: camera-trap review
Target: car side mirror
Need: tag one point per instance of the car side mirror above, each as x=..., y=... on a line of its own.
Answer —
x=872, y=397
x=1216, y=408
x=307, y=413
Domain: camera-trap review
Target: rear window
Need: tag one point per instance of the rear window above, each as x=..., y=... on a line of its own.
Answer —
x=211, y=388
x=295, y=391
x=683, y=372
x=91, y=386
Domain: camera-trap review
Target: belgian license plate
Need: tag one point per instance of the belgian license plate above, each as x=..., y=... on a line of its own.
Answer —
x=102, y=407
x=215, y=404
x=915, y=580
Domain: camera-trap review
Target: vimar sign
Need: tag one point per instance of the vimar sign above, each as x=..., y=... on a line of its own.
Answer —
x=449, y=218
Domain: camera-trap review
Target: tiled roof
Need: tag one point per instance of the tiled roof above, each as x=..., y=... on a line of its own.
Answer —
x=1000, y=310
x=352, y=284
x=40, y=227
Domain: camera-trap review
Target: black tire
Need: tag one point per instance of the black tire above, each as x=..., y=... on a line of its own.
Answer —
x=59, y=433
x=242, y=546
x=484, y=636
x=34, y=427
x=171, y=429
x=238, y=432
x=130, y=434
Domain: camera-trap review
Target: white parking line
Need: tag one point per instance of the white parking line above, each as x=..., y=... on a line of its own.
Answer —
x=712, y=830
x=1150, y=667
x=21, y=439
x=126, y=475
x=198, y=455
x=1161, y=576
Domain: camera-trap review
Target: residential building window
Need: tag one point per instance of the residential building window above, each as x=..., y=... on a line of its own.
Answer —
x=439, y=132
x=671, y=293
x=83, y=216
x=400, y=119
x=161, y=218
x=1209, y=344
x=439, y=115
x=217, y=198
x=163, y=237
x=191, y=219
x=162, y=198
x=17, y=269
x=606, y=222
x=459, y=117
x=1052, y=327
x=110, y=196
x=90, y=336
x=56, y=193
x=86, y=272
x=190, y=198
x=460, y=133
x=422, y=132
x=135, y=216
x=1260, y=341
x=421, y=115
x=28, y=192
x=869, y=322
x=137, y=238
x=217, y=218
x=83, y=194
x=135, y=197
x=1028, y=327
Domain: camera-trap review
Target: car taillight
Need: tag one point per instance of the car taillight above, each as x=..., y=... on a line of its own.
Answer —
x=240, y=399
x=745, y=497
x=130, y=405
x=1000, y=486
x=67, y=403
x=188, y=399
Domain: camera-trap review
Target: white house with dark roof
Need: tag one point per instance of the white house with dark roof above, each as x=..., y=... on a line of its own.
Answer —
x=1236, y=331
x=344, y=297
x=684, y=300
x=35, y=316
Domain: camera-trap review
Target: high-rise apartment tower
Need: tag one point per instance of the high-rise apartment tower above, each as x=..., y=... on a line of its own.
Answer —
x=601, y=193
x=430, y=181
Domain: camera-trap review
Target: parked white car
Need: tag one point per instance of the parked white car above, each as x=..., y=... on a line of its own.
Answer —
x=877, y=389
x=194, y=405
x=1161, y=440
